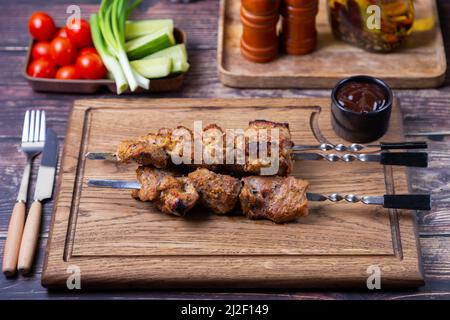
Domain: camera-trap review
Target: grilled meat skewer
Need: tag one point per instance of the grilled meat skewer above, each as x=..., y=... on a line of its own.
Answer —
x=280, y=199
x=157, y=149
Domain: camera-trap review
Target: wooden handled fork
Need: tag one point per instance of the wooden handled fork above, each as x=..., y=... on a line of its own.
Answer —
x=33, y=139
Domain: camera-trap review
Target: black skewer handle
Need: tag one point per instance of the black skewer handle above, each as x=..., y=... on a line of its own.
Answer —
x=403, y=145
x=409, y=159
x=412, y=201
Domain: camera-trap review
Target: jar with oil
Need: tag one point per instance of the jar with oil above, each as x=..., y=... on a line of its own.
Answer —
x=374, y=25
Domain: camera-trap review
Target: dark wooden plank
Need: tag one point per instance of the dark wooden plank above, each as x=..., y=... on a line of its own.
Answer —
x=199, y=18
x=436, y=256
x=11, y=168
x=423, y=111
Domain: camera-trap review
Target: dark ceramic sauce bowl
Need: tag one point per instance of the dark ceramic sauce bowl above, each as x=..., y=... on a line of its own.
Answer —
x=357, y=126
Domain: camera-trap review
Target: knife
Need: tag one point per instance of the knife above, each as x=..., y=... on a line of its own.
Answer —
x=409, y=159
x=43, y=191
x=398, y=201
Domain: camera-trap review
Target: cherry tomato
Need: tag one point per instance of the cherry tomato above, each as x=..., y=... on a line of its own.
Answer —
x=41, y=26
x=80, y=34
x=62, y=33
x=88, y=50
x=42, y=68
x=63, y=51
x=41, y=49
x=90, y=66
x=67, y=73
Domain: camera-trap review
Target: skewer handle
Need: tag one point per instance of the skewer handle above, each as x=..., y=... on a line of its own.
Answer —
x=355, y=147
x=411, y=202
x=398, y=201
x=409, y=159
x=403, y=145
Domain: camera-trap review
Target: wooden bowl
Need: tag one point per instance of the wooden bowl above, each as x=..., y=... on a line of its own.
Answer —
x=171, y=83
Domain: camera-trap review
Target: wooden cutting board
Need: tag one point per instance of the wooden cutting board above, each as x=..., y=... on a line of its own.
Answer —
x=116, y=241
x=420, y=63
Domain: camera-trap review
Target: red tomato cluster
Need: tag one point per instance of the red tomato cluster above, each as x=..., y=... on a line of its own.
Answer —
x=65, y=53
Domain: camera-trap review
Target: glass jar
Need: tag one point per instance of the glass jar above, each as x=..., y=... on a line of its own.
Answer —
x=374, y=25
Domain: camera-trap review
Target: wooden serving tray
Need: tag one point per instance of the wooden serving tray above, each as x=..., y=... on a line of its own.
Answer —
x=117, y=241
x=420, y=63
x=171, y=83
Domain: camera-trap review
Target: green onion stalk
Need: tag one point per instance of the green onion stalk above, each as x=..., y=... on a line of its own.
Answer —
x=109, y=61
x=112, y=16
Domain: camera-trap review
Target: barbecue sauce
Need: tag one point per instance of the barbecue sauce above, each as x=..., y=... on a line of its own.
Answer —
x=362, y=97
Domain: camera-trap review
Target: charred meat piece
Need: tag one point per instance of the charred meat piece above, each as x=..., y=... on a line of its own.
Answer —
x=283, y=142
x=150, y=179
x=159, y=149
x=280, y=199
x=178, y=195
x=147, y=150
x=172, y=195
x=218, y=192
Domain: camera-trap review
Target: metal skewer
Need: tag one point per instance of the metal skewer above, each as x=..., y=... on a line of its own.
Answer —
x=409, y=201
x=109, y=156
x=355, y=147
x=409, y=159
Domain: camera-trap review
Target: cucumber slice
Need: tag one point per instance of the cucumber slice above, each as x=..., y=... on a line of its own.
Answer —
x=136, y=29
x=177, y=53
x=143, y=46
x=153, y=68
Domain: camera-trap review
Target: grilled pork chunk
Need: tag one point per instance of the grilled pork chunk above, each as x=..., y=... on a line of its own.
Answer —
x=284, y=142
x=280, y=199
x=218, y=192
x=157, y=149
x=172, y=195
x=147, y=150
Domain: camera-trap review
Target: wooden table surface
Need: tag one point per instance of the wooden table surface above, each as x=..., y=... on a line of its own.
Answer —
x=425, y=112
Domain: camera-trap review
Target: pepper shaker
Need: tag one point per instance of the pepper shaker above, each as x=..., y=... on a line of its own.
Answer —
x=259, y=41
x=299, y=34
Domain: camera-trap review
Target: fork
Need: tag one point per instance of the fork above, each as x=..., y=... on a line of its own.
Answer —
x=33, y=139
